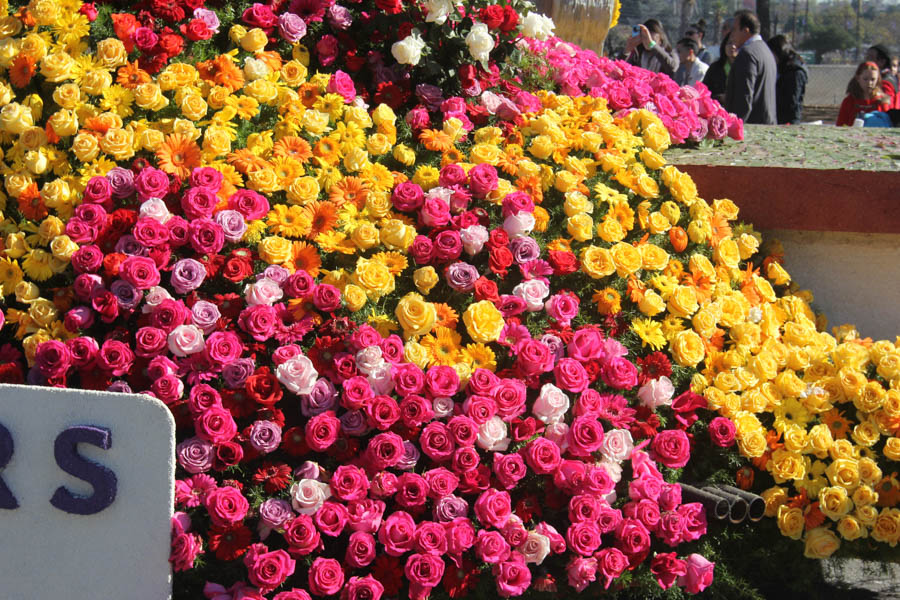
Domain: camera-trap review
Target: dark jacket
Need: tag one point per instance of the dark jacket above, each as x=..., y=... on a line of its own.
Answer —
x=789, y=90
x=657, y=59
x=716, y=79
x=751, y=84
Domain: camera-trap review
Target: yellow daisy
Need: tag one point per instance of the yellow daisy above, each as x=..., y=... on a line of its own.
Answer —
x=10, y=276
x=443, y=346
x=118, y=100
x=289, y=221
x=650, y=332
x=395, y=261
x=480, y=356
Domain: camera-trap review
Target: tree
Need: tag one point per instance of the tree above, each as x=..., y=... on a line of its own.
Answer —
x=824, y=38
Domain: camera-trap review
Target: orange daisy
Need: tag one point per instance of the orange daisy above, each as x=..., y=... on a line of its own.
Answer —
x=328, y=149
x=222, y=71
x=323, y=216
x=131, y=75
x=309, y=93
x=436, y=140
x=22, y=69
x=532, y=186
x=445, y=316
x=246, y=161
x=349, y=189
x=293, y=146
x=271, y=58
x=721, y=230
x=305, y=258
x=31, y=205
x=178, y=155
x=451, y=157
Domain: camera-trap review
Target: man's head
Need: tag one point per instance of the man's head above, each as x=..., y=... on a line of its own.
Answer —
x=687, y=50
x=746, y=25
x=879, y=55
x=696, y=33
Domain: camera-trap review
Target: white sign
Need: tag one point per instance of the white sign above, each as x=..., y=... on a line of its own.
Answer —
x=86, y=494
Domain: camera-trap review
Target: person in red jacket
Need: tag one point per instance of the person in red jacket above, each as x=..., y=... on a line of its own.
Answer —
x=864, y=94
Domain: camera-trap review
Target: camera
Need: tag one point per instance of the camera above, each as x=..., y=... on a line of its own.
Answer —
x=636, y=30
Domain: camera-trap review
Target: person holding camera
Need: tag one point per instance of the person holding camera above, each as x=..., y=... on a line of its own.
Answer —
x=649, y=48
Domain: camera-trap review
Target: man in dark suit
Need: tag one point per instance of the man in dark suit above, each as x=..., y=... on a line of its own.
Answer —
x=750, y=92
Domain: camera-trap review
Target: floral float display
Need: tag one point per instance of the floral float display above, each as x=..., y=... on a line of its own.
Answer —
x=455, y=350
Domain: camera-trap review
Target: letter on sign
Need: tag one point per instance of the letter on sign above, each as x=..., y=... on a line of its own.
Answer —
x=102, y=479
x=7, y=500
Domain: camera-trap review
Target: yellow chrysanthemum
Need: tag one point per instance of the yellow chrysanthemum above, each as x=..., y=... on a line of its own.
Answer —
x=650, y=332
x=791, y=412
x=480, y=356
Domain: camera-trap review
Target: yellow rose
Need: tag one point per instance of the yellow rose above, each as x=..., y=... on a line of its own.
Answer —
x=774, y=497
x=866, y=434
x=150, y=139
x=56, y=193
x=374, y=277
x=786, y=465
x=892, y=449
x=821, y=542
x=64, y=122
x=541, y=147
x=10, y=26
x=795, y=438
x=580, y=227
x=378, y=144
x=17, y=183
x=727, y=253
x=415, y=315
x=843, y=472
x=118, y=143
x=42, y=312
x=275, y=250
x=303, y=190
x=193, y=106
x=790, y=522
x=425, y=278
x=216, y=141
x=652, y=159
x=887, y=527
x=416, y=354
x=383, y=114
x=354, y=297
x=653, y=258
x=254, y=40
x=683, y=302
x=820, y=440
x=687, y=348
x=480, y=153
x=57, y=67
x=851, y=529
x=597, y=262
x=610, y=230
x=263, y=180
x=656, y=137
x=626, y=258
x=111, y=53
x=889, y=365
x=834, y=502
x=483, y=322
x=704, y=322
x=646, y=187
x=699, y=231
x=576, y=202
x=36, y=162
x=365, y=236
x=869, y=472
x=864, y=495
x=396, y=235
x=541, y=219
x=262, y=90
x=651, y=303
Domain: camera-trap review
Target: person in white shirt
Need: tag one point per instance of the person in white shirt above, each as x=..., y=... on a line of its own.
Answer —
x=690, y=68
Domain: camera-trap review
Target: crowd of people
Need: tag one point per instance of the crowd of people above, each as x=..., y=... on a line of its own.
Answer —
x=763, y=81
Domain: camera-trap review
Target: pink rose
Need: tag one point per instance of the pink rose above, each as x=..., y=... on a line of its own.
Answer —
x=667, y=567
x=341, y=83
x=491, y=547
x=633, y=539
x=542, y=455
x=645, y=511
x=302, y=536
x=424, y=572
x=442, y=381
x=460, y=535
x=349, y=483
x=571, y=375
x=509, y=398
x=509, y=469
x=268, y=570
x=412, y=491
x=384, y=450
x=326, y=577
x=698, y=574
x=331, y=518
x=362, y=588
x=610, y=564
x=583, y=537
x=436, y=442
x=513, y=576
x=482, y=179
x=431, y=538
x=493, y=508
x=360, y=550
x=322, y=431
x=215, y=425
x=694, y=518
x=722, y=432
x=397, y=533
x=581, y=572
x=585, y=436
x=672, y=448
x=619, y=373
x=226, y=506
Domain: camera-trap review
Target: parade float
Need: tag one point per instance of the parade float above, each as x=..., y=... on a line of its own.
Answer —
x=432, y=312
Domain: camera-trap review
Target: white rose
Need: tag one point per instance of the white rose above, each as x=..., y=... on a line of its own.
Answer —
x=480, y=42
x=438, y=10
x=380, y=379
x=537, y=26
x=657, y=392
x=492, y=435
x=519, y=224
x=408, y=51
x=441, y=193
x=265, y=291
x=185, y=340
x=617, y=445
x=551, y=405
x=442, y=407
x=473, y=238
x=535, y=548
x=558, y=433
x=368, y=359
x=533, y=292
x=255, y=68
x=297, y=374
x=155, y=208
x=308, y=495
x=154, y=296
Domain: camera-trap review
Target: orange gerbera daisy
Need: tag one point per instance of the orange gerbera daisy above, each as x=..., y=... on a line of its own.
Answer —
x=323, y=216
x=293, y=146
x=435, y=140
x=836, y=422
x=309, y=93
x=451, y=157
x=328, y=149
x=349, y=189
x=271, y=58
x=21, y=70
x=246, y=161
x=131, y=75
x=445, y=316
x=178, y=155
x=721, y=230
x=31, y=205
x=222, y=71
x=306, y=258
x=532, y=186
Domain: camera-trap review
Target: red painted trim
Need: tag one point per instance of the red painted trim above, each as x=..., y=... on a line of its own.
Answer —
x=805, y=199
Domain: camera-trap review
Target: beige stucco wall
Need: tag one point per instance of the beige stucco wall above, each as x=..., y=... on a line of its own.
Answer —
x=854, y=277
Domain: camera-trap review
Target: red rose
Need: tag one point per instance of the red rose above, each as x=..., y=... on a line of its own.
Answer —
x=500, y=259
x=263, y=387
x=492, y=16
x=391, y=7
x=498, y=238
x=486, y=289
x=228, y=454
x=124, y=25
x=237, y=269
x=510, y=19
x=167, y=9
x=112, y=262
x=196, y=30
x=563, y=262
x=171, y=44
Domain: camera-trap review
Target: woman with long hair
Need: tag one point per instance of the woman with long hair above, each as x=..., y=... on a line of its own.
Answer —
x=649, y=48
x=716, y=78
x=791, y=83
